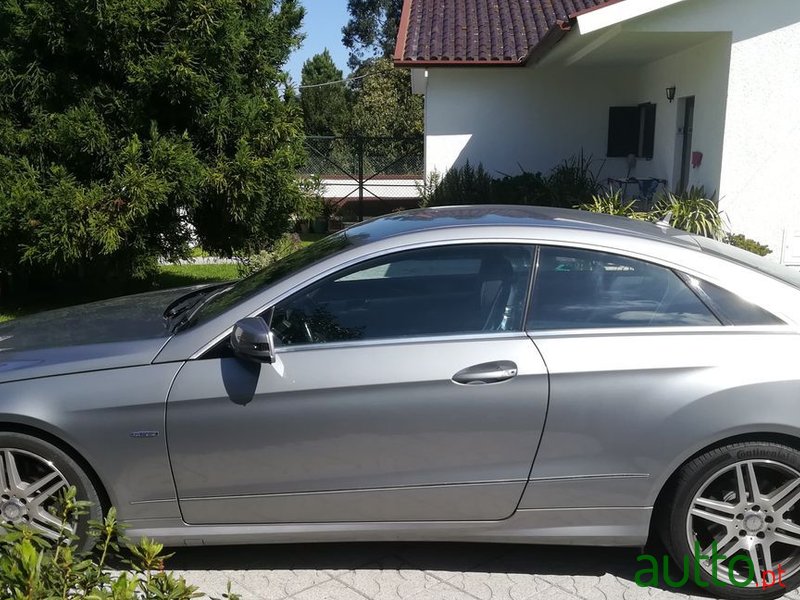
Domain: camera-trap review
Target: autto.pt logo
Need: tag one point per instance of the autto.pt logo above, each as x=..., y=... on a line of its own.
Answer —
x=740, y=571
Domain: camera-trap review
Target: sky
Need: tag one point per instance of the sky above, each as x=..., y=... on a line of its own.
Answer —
x=323, y=28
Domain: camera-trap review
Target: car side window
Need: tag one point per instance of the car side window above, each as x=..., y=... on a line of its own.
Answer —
x=581, y=289
x=732, y=308
x=445, y=290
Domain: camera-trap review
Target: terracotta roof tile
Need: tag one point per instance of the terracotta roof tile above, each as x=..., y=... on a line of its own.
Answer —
x=477, y=31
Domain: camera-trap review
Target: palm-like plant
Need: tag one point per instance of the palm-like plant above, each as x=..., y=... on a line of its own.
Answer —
x=694, y=211
x=612, y=203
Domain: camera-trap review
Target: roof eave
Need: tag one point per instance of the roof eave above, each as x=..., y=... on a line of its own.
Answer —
x=533, y=56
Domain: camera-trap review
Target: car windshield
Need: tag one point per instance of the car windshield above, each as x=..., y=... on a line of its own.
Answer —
x=750, y=260
x=249, y=286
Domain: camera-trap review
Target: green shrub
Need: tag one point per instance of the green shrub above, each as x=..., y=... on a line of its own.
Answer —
x=284, y=246
x=35, y=568
x=525, y=188
x=611, y=203
x=745, y=243
x=463, y=185
x=694, y=211
x=570, y=183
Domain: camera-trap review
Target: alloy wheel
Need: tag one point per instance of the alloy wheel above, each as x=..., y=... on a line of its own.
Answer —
x=750, y=509
x=29, y=485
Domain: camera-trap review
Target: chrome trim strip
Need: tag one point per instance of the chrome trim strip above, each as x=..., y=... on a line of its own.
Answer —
x=676, y=330
x=359, y=490
x=444, y=339
x=585, y=477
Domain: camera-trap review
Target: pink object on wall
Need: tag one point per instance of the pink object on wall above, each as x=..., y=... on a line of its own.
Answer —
x=697, y=159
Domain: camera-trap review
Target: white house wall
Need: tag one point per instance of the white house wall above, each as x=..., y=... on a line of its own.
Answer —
x=534, y=118
x=761, y=160
x=512, y=118
x=700, y=71
x=762, y=124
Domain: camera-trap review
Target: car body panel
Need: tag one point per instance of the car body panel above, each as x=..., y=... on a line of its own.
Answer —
x=109, y=334
x=670, y=394
x=114, y=420
x=343, y=434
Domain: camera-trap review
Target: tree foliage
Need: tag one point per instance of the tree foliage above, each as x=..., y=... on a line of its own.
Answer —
x=325, y=108
x=385, y=106
x=371, y=31
x=126, y=123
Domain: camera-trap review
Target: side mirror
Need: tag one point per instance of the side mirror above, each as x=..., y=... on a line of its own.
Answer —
x=251, y=339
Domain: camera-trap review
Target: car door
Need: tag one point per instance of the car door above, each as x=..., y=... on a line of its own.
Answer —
x=630, y=346
x=404, y=388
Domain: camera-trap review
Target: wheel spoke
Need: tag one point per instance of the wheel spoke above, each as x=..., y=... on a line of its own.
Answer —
x=786, y=539
x=9, y=468
x=710, y=516
x=756, y=564
x=766, y=549
x=45, y=495
x=787, y=488
x=730, y=509
x=741, y=488
x=790, y=500
x=37, y=485
x=728, y=543
x=753, y=480
x=45, y=523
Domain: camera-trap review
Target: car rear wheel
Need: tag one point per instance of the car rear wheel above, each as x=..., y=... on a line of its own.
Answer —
x=735, y=520
x=32, y=475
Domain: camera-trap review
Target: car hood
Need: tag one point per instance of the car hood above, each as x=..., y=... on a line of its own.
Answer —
x=113, y=333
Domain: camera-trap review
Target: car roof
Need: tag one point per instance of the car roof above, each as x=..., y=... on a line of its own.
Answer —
x=493, y=219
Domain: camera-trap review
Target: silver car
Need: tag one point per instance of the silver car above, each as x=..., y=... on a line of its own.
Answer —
x=488, y=374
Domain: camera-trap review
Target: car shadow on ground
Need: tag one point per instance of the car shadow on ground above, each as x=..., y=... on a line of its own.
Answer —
x=438, y=557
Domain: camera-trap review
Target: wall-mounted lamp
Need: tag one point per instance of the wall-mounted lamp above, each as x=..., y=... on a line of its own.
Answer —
x=671, y=93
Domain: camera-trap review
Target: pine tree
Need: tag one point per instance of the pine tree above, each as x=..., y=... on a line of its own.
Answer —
x=325, y=108
x=126, y=123
x=371, y=31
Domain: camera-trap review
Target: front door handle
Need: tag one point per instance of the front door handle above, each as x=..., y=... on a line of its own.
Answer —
x=493, y=372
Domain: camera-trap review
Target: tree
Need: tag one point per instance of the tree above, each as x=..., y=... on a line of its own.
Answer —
x=126, y=124
x=385, y=106
x=371, y=31
x=325, y=108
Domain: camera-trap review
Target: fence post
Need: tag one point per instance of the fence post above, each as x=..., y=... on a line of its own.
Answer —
x=360, y=151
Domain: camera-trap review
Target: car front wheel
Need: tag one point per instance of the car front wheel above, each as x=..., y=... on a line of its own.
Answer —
x=33, y=474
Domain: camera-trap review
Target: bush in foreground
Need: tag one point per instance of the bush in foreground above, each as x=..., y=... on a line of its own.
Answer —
x=35, y=568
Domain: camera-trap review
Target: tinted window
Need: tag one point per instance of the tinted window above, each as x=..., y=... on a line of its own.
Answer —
x=433, y=291
x=259, y=281
x=579, y=289
x=732, y=308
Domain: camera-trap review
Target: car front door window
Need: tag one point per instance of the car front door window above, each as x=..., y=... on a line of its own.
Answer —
x=448, y=290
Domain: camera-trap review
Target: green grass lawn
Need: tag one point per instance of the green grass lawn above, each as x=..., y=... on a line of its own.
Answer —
x=179, y=275
x=170, y=276
x=309, y=238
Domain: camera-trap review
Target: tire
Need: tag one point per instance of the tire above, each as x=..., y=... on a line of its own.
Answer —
x=743, y=499
x=50, y=470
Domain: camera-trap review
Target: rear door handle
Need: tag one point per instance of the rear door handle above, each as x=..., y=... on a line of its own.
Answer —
x=493, y=372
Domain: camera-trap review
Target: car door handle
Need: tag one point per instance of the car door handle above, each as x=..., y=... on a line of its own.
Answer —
x=493, y=372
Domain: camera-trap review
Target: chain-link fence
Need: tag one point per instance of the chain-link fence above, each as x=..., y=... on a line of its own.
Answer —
x=366, y=176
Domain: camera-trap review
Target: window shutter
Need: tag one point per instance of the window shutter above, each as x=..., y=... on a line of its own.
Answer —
x=648, y=132
x=623, y=131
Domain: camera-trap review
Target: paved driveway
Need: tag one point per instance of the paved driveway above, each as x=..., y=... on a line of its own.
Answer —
x=419, y=571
